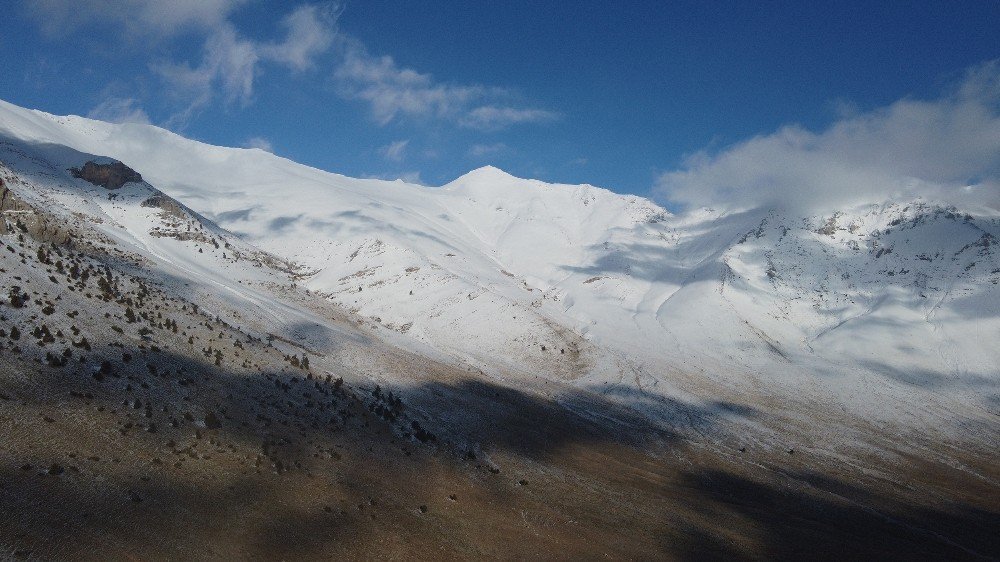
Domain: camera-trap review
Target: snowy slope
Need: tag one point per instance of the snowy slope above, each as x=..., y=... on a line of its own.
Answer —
x=889, y=311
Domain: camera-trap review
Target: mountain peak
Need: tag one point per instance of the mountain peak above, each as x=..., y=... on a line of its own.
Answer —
x=488, y=172
x=489, y=179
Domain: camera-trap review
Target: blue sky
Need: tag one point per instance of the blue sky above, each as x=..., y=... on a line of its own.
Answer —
x=626, y=95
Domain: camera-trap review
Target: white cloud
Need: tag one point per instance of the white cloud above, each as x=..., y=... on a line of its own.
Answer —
x=230, y=64
x=119, y=110
x=394, y=151
x=486, y=149
x=393, y=91
x=494, y=117
x=310, y=32
x=259, y=142
x=947, y=149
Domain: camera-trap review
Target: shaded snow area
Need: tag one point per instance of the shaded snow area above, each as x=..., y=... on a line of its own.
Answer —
x=887, y=312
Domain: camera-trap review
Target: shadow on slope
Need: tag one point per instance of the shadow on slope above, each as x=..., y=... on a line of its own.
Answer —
x=166, y=456
x=828, y=519
x=142, y=452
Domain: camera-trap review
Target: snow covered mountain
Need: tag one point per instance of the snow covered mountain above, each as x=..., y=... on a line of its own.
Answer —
x=204, y=346
x=884, y=312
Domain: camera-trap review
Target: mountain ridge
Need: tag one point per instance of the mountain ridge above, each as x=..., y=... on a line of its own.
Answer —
x=508, y=274
x=240, y=347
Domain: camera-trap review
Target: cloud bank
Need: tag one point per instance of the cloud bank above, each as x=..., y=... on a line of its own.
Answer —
x=946, y=149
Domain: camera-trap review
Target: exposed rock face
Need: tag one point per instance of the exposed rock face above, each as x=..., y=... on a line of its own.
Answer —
x=108, y=176
x=11, y=205
x=17, y=215
x=161, y=201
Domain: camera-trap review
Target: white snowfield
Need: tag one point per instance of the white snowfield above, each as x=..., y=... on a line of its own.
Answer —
x=885, y=312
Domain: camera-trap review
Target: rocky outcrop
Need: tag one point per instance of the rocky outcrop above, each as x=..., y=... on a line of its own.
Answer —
x=16, y=215
x=108, y=176
x=10, y=207
x=161, y=201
